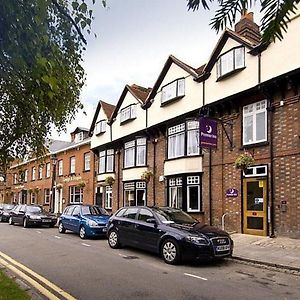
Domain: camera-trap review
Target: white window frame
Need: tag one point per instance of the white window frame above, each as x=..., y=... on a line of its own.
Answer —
x=72, y=165
x=106, y=161
x=132, y=150
x=252, y=110
x=100, y=126
x=233, y=64
x=32, y=198
x=15, y=178
x=78, y=137
x=193, y=181
x=108, y=197
x=26, y=175
x=60, y=167
x=73, y=192
x=48, y=169
x=128, y=113
x=33, y=170
x=40, y=174
x=87, y=161
x=46, y=196
x=173, y=90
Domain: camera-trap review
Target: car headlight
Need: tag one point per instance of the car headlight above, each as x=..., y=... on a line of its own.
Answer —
x=197, y=240
x=35, y=217
x=92, y=223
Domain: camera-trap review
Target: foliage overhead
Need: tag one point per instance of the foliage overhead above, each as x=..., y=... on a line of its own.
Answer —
x=274, y=22
x=41, y=48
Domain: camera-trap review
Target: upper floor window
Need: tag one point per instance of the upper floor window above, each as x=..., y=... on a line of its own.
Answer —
x=87, y=161
x=72, y=164
x=15, y=178
x=33, y=173
x=60, y=167
x=48, y=169
x=40, y=172
x=183, y=139
x=100, y=127
x=25, y=175
x=78, y=137
x=230, y=61
x=106, y=161
x=255, y=123
x=128, y=113
x=173, y=90
x=135, y=153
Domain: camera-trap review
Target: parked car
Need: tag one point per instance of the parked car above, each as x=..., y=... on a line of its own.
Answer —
x=4, y=211
x=29, y=215
x=170, y=232
x=87, y=220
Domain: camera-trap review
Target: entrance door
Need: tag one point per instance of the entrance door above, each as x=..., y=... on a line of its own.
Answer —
x=58, y=201
x=255, y=206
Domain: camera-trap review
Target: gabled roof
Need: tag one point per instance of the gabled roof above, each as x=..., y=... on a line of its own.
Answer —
x=78, y=129
x=108, y=110
x=138, y=92
x=219, y=46
x=195, y=72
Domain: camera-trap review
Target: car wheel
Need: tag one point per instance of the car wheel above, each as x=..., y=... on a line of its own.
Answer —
x=25, y=223
x=61, y=228
x=113, y=239
x=170, y=252
x=10, y=221
x=82, y=232
x=1, y=219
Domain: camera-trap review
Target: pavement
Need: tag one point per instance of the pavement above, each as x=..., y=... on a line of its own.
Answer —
x=281, y=252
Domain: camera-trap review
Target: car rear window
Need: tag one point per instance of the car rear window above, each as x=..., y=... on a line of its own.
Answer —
x=130, y=213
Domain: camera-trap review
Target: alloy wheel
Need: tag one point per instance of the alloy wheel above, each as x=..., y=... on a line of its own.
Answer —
x=61, y=228
x=113, y=240
x=170, y=252
x=25, y=223
x=10, y=221
x=82, y=233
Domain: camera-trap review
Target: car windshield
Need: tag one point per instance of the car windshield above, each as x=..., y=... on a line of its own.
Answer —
x=8, y=206
x=93, y=210
x=34, y=209
x=173, y=215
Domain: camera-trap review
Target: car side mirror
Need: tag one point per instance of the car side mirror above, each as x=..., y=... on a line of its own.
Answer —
x=151, y=221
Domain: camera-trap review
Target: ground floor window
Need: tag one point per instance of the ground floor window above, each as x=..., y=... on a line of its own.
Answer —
x=46, y=196
x=33, y=198
x=75, y=194
x=185, y=192
x=135, y=193
x=108, y=197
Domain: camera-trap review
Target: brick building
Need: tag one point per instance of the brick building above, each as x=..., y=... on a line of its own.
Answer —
x=63, y=176
x=147, y=147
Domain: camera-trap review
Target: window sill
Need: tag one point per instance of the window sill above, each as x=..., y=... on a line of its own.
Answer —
x=106, y=173
x=260, y=144
x=165, y=103
x=183, y=157
x=86, y=171
x=126, y=121
x=100, y=133
x=230, y=73
x=135, y=167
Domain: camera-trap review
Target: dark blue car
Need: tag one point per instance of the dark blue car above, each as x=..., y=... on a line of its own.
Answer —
x=87, y=220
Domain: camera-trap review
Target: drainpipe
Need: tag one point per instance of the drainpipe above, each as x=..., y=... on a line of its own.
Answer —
x=119, y=160
x=154, y=170
x=210, y=187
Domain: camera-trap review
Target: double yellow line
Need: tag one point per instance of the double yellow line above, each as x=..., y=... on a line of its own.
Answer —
x=32, y=278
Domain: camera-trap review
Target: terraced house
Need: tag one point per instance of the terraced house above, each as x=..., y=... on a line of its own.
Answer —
x=148, y=150
x=62, y=177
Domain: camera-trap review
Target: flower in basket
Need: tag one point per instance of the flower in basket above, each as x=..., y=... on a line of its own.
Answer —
x=29, y=191
x=147, y=175
x=109, y=180
x=59, y=186
x=81, y=184
x=36, y=190
x=244, y=161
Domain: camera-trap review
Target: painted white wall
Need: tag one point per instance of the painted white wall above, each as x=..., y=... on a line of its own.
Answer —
x=133, y=173
x=119, y=131
x=103, y=138
x=183, y=165
x=101, y=177
x=235, y=83
x=191, y=101
x=282, y=56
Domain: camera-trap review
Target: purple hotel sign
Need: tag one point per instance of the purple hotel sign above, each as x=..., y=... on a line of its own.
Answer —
x=208, y=133
x=232, y=192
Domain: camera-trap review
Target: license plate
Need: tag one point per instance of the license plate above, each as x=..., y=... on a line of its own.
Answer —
x=223, y=248
x=46, y=221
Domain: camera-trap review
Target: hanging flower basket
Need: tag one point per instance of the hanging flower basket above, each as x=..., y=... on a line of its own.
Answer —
x=59, y=186
x=244, y=161
x=109, y=180
x=36, y=190
x=146, y=175
x=29, y=191
x=81, y=184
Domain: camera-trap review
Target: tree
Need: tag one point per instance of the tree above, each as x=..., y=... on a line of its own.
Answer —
x=41, y=48
x=276, y=14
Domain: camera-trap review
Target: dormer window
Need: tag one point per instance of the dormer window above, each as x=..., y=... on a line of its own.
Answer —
x=173, y=90
x=78, y=137
x=231, y=61
x=101, y=126
x=128, y=113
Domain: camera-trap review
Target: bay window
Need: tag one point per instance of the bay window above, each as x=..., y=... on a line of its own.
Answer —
x=128, y=113
x=230, y=61
x=135, y=153
x=173, y=90
x=255, y=123
x=106, y=161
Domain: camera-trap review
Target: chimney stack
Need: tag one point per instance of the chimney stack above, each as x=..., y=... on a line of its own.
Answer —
x=247, y=28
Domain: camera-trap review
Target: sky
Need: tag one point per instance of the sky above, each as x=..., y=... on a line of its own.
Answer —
x=134, y=40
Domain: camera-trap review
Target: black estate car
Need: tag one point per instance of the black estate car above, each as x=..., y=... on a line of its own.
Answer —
x=167, y=231
x=4, y=211
x=31, y=215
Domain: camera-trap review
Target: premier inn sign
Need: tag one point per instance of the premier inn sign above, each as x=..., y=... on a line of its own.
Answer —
x=208, y=133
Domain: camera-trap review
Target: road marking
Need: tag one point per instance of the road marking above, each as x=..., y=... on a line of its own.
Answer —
x=195, y=276
x=57, y=237
x=122, y=255
x=45, y=281
x=87, y=245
